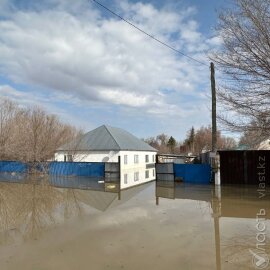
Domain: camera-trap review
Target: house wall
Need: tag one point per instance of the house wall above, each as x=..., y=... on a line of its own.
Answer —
x=131, y=173
x=129, y=170
x=90, y=156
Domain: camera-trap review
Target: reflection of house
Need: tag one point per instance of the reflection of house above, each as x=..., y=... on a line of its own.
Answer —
x=103, y=201
x=108, y=144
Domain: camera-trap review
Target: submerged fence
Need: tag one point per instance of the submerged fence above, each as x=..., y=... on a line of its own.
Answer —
x=13, y=167
x=193, y=173
x=245, y=167
x=89, y=169
x=93, y=169
x=188, y=173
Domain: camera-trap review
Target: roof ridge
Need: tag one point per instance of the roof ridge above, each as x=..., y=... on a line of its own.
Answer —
x=112, y=137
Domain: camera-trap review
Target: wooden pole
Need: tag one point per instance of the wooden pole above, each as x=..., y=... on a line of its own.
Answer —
x=214, y=110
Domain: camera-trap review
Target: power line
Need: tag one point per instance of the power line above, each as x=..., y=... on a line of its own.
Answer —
x=149, y=35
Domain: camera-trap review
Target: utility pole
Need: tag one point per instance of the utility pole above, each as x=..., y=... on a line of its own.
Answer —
x=214, y=109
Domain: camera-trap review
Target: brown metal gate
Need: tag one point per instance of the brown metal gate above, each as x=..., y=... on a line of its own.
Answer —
x=249, y=167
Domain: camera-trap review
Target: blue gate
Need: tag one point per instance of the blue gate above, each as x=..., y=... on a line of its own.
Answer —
x=193, y=173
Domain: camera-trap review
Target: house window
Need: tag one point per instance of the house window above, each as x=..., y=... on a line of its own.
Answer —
x=68, y=158
x=146, y=158
x=136, y=159
x=136, y=176
x=146, y=174
x=153, y=158
x=125, y=159
x=154, y=172
x=125, y=178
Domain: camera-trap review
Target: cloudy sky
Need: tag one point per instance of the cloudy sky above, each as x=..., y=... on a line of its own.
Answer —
x=78, y=61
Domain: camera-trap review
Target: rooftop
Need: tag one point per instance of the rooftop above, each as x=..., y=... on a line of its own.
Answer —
x=107, y=138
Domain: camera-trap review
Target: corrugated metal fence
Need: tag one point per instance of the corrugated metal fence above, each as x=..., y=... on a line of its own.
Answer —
x=13, y=166
x=89, y=169
x=245, y=167
x=92, y=169
x=188, y=173
x=193, y=173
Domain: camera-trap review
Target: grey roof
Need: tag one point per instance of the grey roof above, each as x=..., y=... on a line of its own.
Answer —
x=107, y=138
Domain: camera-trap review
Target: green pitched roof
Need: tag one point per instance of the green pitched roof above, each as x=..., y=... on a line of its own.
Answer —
x=107, y=138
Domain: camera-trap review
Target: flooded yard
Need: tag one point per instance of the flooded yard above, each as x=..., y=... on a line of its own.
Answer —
x=152, y=226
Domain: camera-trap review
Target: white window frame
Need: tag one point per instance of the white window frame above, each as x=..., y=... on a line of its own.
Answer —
x=125, y=159
x=146, y=158
x=125, y=178
x=153, y=158
x=136, y=176
x=68, y=158
x=147, y=174
x=136, y=159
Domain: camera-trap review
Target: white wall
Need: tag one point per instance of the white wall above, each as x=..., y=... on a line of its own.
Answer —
x=131, y=168
x=128, y=169
x=90, y=156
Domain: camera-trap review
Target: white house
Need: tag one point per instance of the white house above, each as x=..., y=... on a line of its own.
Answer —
x=107, y=144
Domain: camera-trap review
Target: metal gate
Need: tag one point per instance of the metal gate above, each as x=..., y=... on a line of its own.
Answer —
x=248, y=167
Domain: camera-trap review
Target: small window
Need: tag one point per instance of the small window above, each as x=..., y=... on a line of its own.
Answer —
x=146, y=174
x=125, y=159
x=146, y=158
x=68, y=158
x=136, y=159
x=136, y=176
x=153, y=158
x=125, y=178
x=154, y=172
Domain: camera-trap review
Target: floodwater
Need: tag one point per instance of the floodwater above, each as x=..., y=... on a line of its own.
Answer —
x=152, y=226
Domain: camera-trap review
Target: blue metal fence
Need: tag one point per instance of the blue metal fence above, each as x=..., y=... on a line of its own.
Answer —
x=90, y=169
x=193, y=173
x=13, y=167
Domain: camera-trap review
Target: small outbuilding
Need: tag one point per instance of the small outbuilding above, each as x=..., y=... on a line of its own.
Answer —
x=111, y=144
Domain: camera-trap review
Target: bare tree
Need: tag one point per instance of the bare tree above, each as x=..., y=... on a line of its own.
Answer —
x=202, y=140
x=244, y=59
x=31, y=135
x=195, y=142
x=8, y=110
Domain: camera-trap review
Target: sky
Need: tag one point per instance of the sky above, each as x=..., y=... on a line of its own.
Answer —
x=76, y=60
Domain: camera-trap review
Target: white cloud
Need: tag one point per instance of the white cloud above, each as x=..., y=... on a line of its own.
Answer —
x=84, y=57
x=45, y=101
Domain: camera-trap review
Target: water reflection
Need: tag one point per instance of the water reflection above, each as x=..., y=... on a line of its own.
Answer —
x=30, y=205
x=161, y=211
x=229, y=202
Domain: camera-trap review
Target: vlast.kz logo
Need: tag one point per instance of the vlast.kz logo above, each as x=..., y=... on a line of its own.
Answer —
x=260, y=259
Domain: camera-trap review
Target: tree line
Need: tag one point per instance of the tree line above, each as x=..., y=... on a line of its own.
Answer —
x=30, y=134
x=195, y=142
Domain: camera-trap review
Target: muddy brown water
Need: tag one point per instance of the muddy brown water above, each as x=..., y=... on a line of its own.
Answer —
x=152, y=226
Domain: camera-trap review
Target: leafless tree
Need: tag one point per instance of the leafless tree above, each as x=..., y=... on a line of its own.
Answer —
x=30, y=134
x=8, y=110
x=203, y=141
x=244, y=59
x=195, y=142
